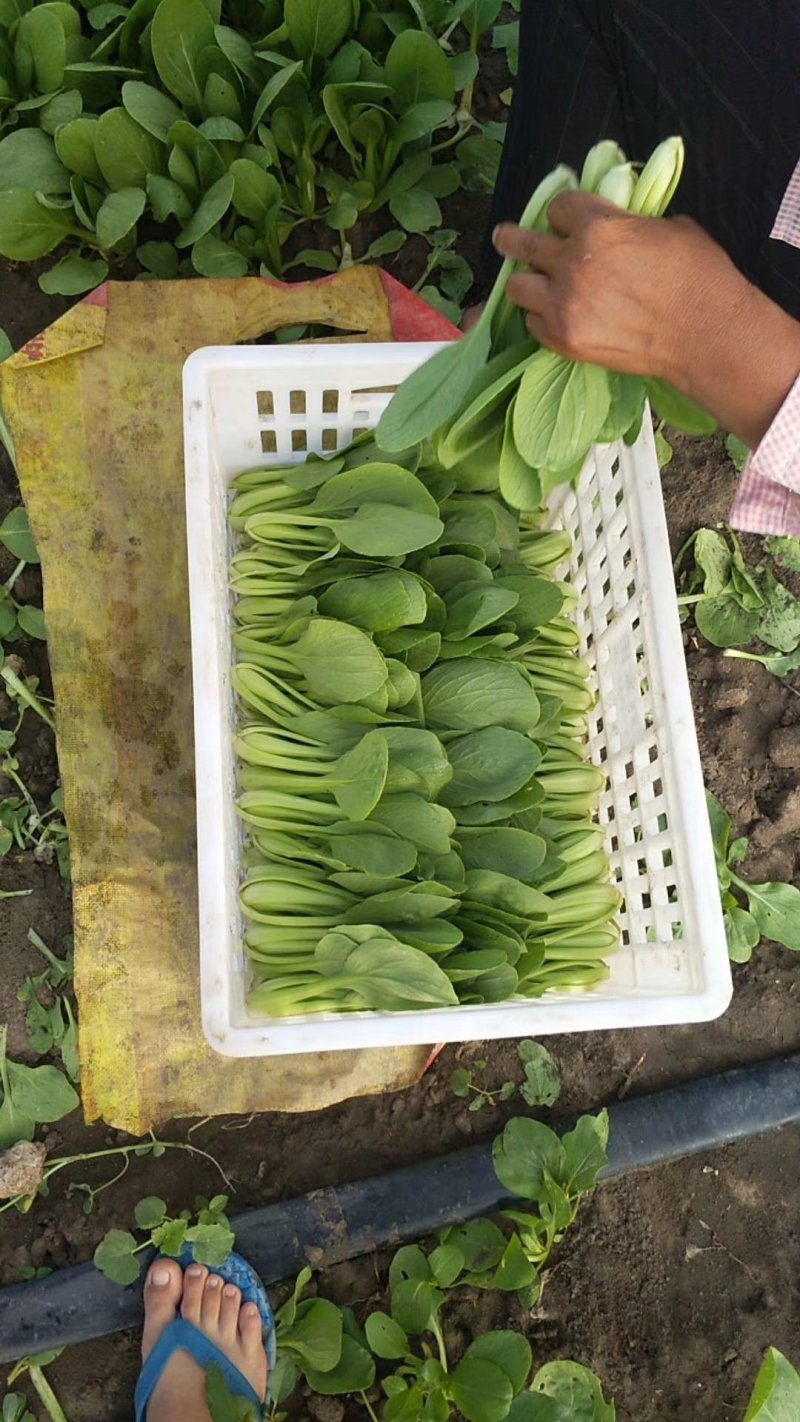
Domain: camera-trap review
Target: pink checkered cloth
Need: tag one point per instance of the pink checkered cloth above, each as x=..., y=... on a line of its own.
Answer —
x=768, y=497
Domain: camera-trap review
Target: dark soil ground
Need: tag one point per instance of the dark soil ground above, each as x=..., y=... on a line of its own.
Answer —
x=674, y=1281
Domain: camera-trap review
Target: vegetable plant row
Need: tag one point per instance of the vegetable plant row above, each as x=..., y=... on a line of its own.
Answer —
x=398, y=1362
x=413, y=770
x=335, y=1353
x=198, y=141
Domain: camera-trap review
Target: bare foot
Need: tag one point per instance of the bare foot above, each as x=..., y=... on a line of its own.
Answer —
x=216, y=1309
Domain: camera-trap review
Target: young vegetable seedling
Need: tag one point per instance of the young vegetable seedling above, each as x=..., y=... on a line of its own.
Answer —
x=15, y=1408
x=736, y=451
x=30, y=1095
x=734, y=605
x=541, y=1085
x=462, y=1083
x=22, y=824
x=50, y=1024
x=34, y=1368
x=210, y=1238
x=772, y=910
x=223, y=1405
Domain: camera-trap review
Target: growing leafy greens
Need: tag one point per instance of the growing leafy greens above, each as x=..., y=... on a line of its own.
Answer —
x=199, y=142
x=209, y=1238
x=735, y=605
x=406, y=1345
x=750, y=911
x=337, y=1353
x=30, y=1095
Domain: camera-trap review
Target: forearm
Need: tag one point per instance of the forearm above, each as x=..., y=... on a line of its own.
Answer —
x=738, y=356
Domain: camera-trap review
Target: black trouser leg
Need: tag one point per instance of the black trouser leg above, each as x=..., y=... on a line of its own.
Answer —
x=723, y=73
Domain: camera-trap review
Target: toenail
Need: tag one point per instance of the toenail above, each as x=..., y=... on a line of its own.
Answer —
x=160, y=1278
x=251, y=1310
x=214, y=1281
x=229, y=1291
x=194, y=1271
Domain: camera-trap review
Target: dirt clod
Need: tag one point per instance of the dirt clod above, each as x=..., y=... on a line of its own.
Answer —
x=21, y=1169
x=326, y=1409
x=786, y=818
x=784, y=747
x=730, y=698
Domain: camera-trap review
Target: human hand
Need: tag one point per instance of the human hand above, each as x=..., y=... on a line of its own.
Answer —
x=615, y=289
x=654, y=297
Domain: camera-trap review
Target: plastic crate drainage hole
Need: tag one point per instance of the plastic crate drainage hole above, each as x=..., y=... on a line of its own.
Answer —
x=301, y=403
x=298, y=403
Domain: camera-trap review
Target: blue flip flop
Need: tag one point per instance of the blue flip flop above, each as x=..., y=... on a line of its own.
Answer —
x=181, y=1335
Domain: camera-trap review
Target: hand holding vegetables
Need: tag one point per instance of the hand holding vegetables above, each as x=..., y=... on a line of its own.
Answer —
x=659, y=299
x=413, y=775
x=604, y=285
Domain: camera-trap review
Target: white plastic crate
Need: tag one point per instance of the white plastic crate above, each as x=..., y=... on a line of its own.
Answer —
x=258, y=406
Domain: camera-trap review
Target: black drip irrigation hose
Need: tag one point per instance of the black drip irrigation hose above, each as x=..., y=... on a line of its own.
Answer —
x=78, y=1304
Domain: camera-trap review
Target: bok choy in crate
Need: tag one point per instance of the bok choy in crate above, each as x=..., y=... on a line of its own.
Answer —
x=419, y=808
